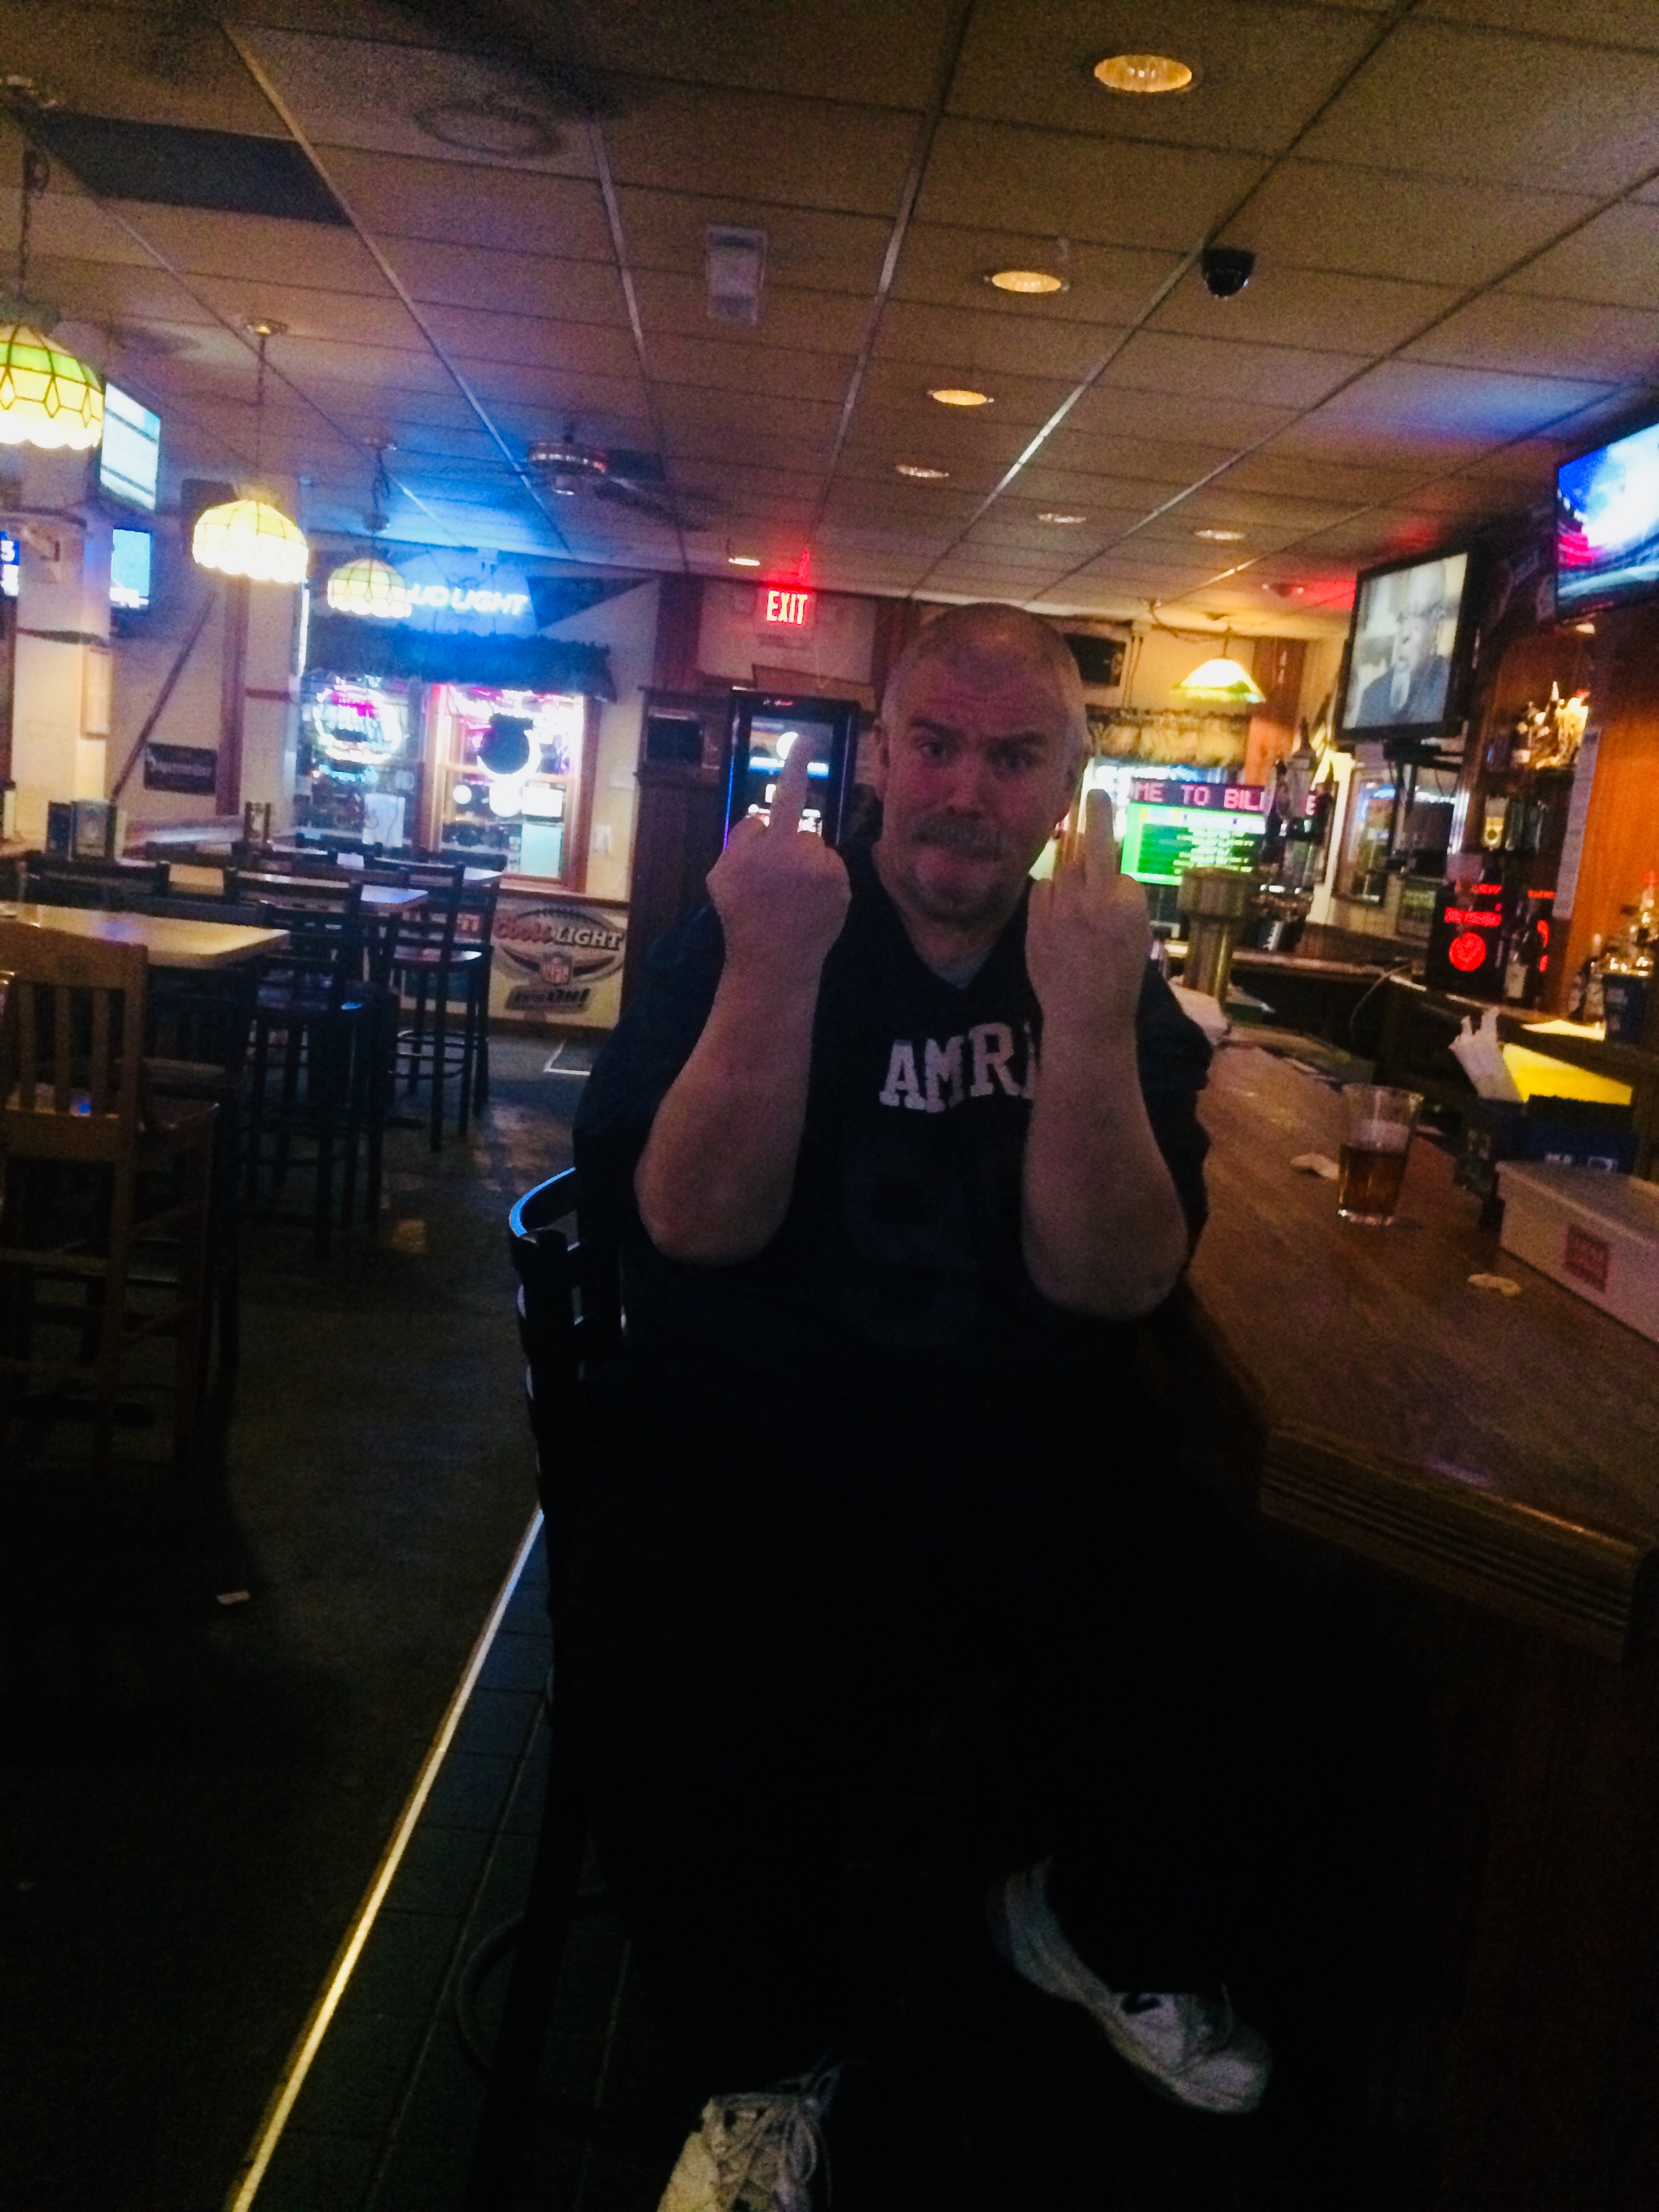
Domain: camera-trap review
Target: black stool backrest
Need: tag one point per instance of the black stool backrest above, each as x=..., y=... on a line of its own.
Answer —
x=570, y=1323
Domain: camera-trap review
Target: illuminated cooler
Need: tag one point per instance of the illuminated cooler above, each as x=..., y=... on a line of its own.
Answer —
x=511, y=768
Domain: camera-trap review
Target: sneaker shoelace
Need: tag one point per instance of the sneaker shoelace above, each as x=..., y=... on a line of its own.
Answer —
x=787, y=2122
x=1212, y=2016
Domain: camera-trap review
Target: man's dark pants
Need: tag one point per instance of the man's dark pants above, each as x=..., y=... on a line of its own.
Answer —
x=756, y=1584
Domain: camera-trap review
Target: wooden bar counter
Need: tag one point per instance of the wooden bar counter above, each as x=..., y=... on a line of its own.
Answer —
x=1470, y=1483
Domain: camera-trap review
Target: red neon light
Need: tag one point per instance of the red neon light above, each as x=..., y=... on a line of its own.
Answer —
x=782, y=609
x=1466, y=952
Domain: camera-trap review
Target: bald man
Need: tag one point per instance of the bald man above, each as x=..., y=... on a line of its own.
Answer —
x=899, y=1144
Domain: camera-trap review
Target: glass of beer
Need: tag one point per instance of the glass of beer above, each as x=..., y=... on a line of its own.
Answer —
x=1376, y=1135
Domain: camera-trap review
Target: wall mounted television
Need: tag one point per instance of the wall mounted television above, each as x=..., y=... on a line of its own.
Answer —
x=1409, y=651
x=1606, y=524
x=129, y=571
x=129, y=458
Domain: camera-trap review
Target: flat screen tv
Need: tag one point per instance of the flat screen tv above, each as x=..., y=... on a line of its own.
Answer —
x=1409, y=650
x=1606, y=524
x=129, y=458
x=129, y=570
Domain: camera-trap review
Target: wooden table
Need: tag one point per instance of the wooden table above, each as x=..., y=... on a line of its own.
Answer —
x=169, y=943
x=1470, y=1484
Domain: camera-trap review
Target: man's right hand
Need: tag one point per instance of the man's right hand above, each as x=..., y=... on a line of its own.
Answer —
x=781, y=895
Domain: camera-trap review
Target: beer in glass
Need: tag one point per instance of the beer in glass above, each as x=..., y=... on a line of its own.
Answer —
x=1376, y=1135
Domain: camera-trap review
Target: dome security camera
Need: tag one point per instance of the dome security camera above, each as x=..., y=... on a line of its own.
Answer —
x=1226, y=270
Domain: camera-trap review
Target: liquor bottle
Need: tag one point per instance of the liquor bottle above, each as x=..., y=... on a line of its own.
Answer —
x=1586, y=983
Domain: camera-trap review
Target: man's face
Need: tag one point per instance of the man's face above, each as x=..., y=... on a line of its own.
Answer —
x=982, y=763
x=1417, y=627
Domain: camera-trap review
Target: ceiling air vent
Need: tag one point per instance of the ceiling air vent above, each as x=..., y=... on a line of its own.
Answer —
x=224, y=170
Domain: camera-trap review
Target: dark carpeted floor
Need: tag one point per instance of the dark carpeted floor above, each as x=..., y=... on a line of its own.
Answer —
x=194, y=1795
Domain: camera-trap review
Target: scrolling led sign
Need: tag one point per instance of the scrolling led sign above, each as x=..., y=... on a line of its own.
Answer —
x=778, y=607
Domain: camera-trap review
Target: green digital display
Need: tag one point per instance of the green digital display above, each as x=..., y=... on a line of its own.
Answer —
x=1160, y=843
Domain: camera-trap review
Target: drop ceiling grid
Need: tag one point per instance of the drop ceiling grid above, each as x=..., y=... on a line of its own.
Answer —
x=844, y=250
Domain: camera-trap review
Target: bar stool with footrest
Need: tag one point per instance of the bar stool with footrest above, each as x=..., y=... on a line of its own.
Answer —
x=432, y=961
x=83, y=1147
x=320, y=1044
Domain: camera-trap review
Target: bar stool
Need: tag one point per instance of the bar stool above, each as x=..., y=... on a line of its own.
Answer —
x=321, y=1033
x=75, y=1111
x=433, y=960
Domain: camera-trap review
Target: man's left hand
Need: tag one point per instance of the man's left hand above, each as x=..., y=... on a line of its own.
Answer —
x=1086, y=933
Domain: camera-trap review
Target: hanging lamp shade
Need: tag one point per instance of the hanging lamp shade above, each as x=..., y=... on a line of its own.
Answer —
x=1222, y=681
x=250, y=537
x=369, y=587
x=47, y=397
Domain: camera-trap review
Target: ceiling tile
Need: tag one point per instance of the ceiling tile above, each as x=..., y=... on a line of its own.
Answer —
x=313, y=314
x=1528, y=112
x=1613, y=259
x=725, y=365
x=696, y=440
x=526, y=403
x=583, y=349
x=69, y=222
x=1115, y=411
x=946, y=266
x=1432, y=411
x=735, y=417
x=370, y=95
x=1221, y=369
x=1075, y=455
x=1323, y=309
x=314, y=254
x=102, y=290
x=1604, y=22
x=1570, y=338
x=1383, y=223
x=120, y=62
x=507, y=284
x=812, y=153
x=816, y=322
x=1032, y=345
x=1069, y=187
x=819, y=249
x=885, y=51
x=396, y=198
x=1262, y=70
x=1298, y=477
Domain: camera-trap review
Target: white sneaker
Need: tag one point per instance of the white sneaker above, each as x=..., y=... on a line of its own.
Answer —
x=1190, y=2045
x=755, y=2153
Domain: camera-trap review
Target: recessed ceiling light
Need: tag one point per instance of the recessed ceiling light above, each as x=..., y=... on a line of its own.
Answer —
x=958, y=395
x=1050, y=515
x=492, y=126
x=1143, y=73
x=1220, y=537
x=742, y=560
x=919, y=472
x=1026, y=280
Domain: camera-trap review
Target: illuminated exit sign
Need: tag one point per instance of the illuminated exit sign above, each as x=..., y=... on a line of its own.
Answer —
x=777, y=607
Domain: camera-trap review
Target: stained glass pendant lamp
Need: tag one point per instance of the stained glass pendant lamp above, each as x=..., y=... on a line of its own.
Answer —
x=1223, y=681
x=368, y=584
x=250, y=536
x=47, y=397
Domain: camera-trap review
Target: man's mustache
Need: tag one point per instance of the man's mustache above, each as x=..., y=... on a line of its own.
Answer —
x=960, y=833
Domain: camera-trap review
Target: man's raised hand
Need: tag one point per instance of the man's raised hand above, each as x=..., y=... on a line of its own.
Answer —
x=781, y=895
x=1086, y=931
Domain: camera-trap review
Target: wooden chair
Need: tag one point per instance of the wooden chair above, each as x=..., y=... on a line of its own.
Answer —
x=569, y=1308
x=94, y=883
x=73, y=1097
